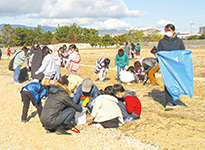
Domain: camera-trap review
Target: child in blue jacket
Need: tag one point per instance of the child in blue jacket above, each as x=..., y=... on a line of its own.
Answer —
x=33, y=92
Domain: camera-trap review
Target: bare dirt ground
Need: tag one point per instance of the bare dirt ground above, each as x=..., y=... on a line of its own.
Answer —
x=182, y=128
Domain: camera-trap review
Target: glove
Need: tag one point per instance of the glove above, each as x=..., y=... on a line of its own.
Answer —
x=36, y=72
x=126, y=67
x=95, y=74
x=84, y=109
x=106, y=70
x=86, y=100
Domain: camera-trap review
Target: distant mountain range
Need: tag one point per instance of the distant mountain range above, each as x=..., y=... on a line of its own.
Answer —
x=53, y=29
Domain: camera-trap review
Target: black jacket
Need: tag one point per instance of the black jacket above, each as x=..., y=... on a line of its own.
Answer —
x=167, y=44
x=58, y=100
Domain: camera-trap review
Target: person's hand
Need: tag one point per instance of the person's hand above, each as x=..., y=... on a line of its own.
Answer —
x=95, y=74
x=84, y=109
x=106, y=70
x=126, y=67
x=116, y=67
x=36, y=72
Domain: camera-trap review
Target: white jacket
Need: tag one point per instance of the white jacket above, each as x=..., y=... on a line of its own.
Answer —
x=57, y=58
x=48, y=66
x=105, y=108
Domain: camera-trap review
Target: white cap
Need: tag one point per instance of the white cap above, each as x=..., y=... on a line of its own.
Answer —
x=51, y=47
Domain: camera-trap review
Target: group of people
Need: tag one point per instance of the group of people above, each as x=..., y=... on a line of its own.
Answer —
x=109, y=107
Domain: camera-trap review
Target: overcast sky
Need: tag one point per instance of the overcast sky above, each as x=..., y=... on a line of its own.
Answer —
x=105, y=14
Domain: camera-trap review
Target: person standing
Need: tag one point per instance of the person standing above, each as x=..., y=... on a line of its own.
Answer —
x=168, y=43
x=35, y=47
x=127, y=49
x=121, y=62
x=0, y=53
x=8, y=53
x=137, y=50
x=18, y=62
x=57, y=58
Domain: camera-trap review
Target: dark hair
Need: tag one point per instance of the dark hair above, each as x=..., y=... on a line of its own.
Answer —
x=126, y=43
x=45, y=51
x=131, y=69
x=72, y=46
x=25, y=49
x=64, y=45
x=120, y=52
x=100, y=92
x=137, y=65
x=35, y=42
x=132, y=46
x=63, y=80
x=138, y=43
x=109, y=90
x=107, y=61
x=169, y=27
x=118, y=88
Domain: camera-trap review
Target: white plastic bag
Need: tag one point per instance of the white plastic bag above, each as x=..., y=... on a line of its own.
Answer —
x=80, y=117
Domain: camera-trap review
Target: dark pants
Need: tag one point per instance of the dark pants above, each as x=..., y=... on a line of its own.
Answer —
x=67, y=116
x=168, y=96
x=113, y=123
x=27, y=97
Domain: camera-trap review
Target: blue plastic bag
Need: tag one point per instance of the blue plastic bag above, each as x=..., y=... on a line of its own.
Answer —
x=177, y=72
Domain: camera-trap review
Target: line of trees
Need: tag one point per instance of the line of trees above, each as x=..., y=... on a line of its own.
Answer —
x=72, y=34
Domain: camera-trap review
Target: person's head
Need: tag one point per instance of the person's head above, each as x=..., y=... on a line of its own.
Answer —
x=120, y=52
x=51, y=49
x=126, y=43
x=35, y=43
x=131, y=69
x=107, y=61
x=109, y=90
x=25, y=49
x=64, y=47
x=137, y=65
x=87, y=86
x=118, y=90
x=73, y=47
x=45, y=51
x=138, y=43
x=63, y=80
x=132, y=45
x=169, y=30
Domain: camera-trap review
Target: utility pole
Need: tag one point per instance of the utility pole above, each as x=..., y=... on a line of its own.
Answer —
x=191, y=23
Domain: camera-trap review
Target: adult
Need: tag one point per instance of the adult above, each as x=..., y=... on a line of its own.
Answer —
x=35, y=47
x=48, y=66
x=132, y=50
x=73, y=62
x=137, y=50
x=105, y=109
x=59, y=109
x=86, y=93
x=18, y=62
x=127, y=49
x=121, y=62
x=170, y=42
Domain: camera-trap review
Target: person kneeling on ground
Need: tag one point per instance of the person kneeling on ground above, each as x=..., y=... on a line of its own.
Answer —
x=59, y=110
x=102, y=66
x=131, y=110
x=86, y=93
x=33, y=92
x=105, y=109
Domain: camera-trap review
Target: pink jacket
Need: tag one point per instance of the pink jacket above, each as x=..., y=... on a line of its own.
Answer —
x=74, y=61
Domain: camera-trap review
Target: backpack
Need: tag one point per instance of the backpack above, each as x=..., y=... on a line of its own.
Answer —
x=12, y=62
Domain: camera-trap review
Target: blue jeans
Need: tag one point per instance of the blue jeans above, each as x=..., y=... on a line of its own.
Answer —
x=57, y=75
x=16, y=74
x=118, y=71
x=67, y=116
x=8, y=57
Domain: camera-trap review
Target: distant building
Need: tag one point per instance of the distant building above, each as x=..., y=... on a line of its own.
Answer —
x=183, y=35
x=201, y=30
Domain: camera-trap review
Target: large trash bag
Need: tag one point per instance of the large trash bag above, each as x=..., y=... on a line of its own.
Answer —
x=177, y=72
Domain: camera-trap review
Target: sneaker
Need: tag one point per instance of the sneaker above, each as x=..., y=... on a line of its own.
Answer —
x=17, y=83
x=23, y=121
x=128, y=119
x=170, y=106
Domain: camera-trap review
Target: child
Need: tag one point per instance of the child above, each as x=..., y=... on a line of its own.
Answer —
x=121, y=62
x=139, y=70
x=33, y=92
x=137, y=50
x=102, y=66
x=57, y=58
x=48, y=66
x=73, y=62
x=105, y=109
x=131, y=110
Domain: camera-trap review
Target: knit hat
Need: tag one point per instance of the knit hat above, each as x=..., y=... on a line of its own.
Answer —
x=87, y=85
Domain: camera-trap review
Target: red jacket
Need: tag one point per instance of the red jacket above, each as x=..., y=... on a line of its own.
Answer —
x=133, y=104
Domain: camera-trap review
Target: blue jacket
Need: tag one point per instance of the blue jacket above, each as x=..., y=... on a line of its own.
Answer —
x=37, y=90
x=79, y=92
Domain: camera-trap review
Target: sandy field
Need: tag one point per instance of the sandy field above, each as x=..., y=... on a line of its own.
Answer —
x=180, y=129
